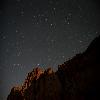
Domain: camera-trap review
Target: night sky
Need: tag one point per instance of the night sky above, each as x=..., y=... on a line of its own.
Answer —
x=42, y=33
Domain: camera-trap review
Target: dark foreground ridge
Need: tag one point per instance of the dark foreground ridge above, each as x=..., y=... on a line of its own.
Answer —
x=76, y=79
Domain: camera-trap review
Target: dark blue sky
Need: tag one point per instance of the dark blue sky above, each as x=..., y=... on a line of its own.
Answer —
x=42, y=33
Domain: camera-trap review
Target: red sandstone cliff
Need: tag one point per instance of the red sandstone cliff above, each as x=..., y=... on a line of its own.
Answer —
x=76, y=79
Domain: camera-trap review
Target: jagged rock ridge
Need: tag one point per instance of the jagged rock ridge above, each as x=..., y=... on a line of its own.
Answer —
x=76, y=79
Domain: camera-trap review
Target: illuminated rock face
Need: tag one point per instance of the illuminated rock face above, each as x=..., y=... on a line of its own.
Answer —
x=76, y=79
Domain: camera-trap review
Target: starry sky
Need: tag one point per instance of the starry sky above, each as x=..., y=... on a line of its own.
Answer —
x=42, y=33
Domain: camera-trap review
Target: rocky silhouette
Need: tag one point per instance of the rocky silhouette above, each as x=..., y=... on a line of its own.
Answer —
x=76, y=79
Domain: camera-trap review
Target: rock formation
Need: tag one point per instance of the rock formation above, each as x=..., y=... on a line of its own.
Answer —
x=76, y=79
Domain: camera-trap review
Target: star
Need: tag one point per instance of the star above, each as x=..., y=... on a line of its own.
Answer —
x=38, y=64
x=68, y=23
x=80, y=41
x=19, y=53
x=63, y=56
x=16, y=31
x=18, y=64
x=22, y=36
x=51, y=24
x=22, y=13
x=52, y=40
x=54, y=8
x=4, y=37
x=46, y=19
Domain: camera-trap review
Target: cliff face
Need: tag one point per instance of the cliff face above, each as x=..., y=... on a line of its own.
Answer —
x=76, y=79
